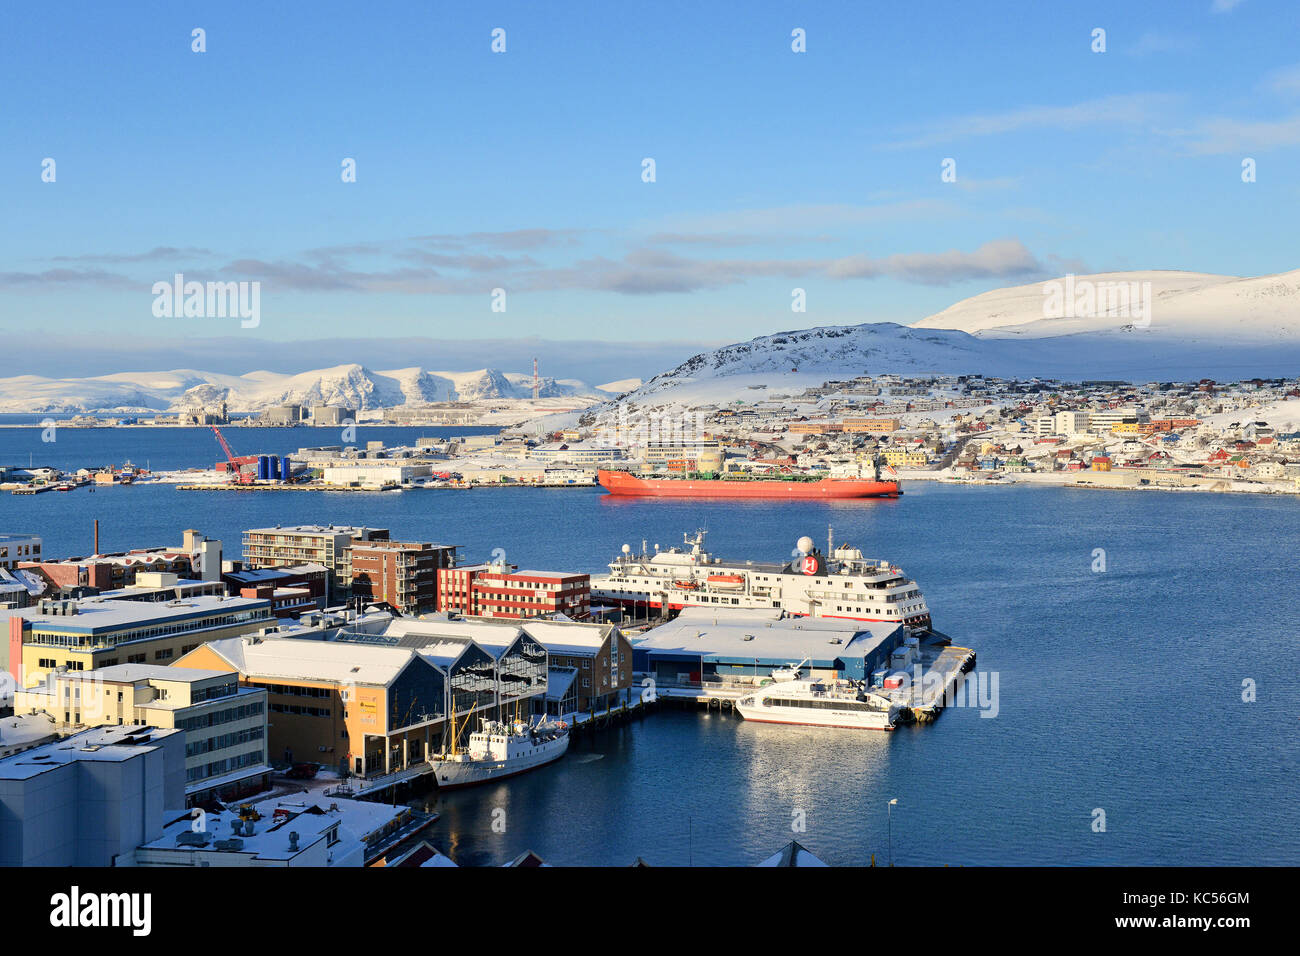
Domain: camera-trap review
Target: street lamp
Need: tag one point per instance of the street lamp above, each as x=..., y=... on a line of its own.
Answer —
x=891, y=830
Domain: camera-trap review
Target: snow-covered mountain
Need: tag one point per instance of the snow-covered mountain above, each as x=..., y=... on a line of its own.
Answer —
x=1189, y=307
x=351, y=385
x=789, y=362
x=1134, y=326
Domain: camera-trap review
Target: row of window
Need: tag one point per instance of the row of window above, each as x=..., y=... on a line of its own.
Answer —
x=212, y=693
x=301, y=710
x=292, y=690
x=222, y=741
x=146, y=633
x=803, y=704
x=218, y=767
x=218, y=717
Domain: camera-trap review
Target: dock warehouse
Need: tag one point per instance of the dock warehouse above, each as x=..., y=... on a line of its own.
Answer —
x=703, y=644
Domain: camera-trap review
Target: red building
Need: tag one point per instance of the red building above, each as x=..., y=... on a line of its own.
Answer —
x=486, y=590
x=401, y=573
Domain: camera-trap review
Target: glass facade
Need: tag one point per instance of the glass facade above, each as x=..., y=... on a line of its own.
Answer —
x=473, y=680
x=522, y=670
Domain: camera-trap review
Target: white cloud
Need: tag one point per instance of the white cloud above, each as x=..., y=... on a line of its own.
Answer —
x=1219, y=136
x=1285, y=80
x=1130, y=109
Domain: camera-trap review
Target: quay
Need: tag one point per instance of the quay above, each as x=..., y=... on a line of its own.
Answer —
x=213, y=486
x=373, y=788
x=712, y=658
x=926, y=700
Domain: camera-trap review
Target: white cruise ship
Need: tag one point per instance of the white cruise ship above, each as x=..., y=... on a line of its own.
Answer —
x=845, y=585
x=821, y=703
x=499, y=750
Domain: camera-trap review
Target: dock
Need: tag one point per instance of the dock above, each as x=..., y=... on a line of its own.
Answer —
x=941, y=666
x=948, y=664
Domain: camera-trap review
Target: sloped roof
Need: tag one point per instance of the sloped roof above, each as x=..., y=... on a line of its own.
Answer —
x=298, y=659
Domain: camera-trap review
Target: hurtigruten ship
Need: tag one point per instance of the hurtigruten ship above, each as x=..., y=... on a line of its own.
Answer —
x=845, y=584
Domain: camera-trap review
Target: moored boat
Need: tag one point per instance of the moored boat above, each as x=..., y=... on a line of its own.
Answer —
x=841, y=582
x=819, y=702
x=500, y=750
x=790, y=486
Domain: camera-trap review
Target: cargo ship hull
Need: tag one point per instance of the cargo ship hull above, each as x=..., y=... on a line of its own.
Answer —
x=623, y=483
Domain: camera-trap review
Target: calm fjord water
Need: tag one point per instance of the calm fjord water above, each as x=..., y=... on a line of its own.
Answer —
x=1119, y=690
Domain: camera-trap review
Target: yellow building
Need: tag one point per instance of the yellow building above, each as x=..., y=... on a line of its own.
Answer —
x=373, y=709
x=905, y=458
x=870, y=425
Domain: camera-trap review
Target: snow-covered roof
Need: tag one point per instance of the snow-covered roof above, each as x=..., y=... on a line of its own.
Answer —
x=298, y=659
x=560, y=637
x=761, y=638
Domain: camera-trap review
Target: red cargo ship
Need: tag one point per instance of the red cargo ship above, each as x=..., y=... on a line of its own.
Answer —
x=625, y=483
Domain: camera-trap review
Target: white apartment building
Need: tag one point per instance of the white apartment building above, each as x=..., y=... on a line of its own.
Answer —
x=18, y=547
x=1073, y=423
x=1101, y=422
x=89, y=799
x=225, y=723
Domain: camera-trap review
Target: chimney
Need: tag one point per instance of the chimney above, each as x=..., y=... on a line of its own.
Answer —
x=96, y=536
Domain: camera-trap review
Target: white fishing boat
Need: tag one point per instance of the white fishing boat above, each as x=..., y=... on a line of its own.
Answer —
x=500, y=750
x=819, y=702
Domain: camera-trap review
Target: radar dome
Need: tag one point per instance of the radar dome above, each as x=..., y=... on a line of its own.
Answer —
x=627, y=549
x=804, y=544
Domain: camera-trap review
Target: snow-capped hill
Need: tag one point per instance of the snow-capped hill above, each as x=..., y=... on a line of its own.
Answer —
x=354, y=386
x=789, y=362
x=1182, y=306
x=620, y=387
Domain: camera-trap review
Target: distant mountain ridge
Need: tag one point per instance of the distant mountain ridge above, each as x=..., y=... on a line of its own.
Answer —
x=1188, y=326
x=352, y=385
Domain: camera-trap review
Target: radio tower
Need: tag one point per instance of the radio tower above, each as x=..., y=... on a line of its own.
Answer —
x=537, y=383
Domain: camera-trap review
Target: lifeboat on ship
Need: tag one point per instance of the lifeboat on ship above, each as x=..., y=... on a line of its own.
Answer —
x=726, y=581
x=685, y=585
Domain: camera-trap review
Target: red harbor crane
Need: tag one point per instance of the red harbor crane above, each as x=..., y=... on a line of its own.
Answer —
x=240, y=477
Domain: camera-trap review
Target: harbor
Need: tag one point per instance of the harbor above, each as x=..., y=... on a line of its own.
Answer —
x=984, y=573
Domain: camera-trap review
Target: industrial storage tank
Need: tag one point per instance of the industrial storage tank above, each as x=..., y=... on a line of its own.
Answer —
x=273, y=472
x=263, y=467
x=286, y=469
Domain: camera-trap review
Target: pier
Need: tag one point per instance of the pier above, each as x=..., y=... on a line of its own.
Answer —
x=941, y=668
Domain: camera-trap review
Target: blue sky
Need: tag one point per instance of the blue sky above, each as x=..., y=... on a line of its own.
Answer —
x=523, y=170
